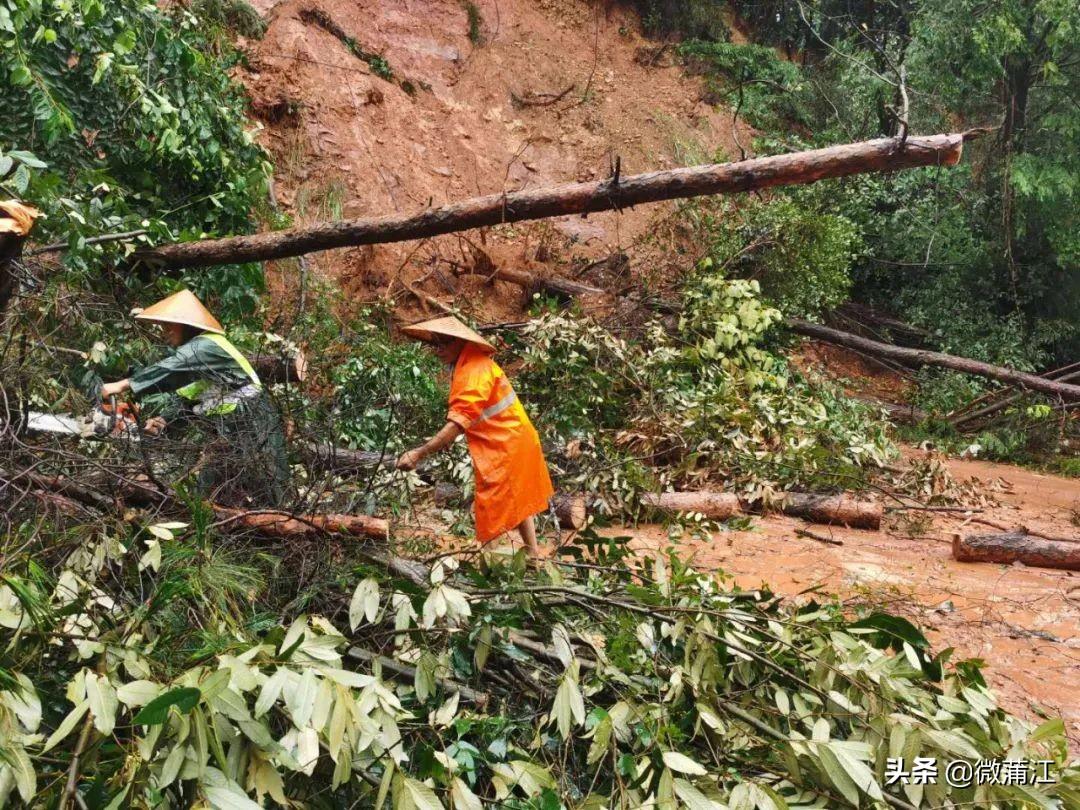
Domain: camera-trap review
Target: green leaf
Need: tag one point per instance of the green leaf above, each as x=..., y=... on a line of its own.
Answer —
x=837, y=774
x=156, y=711
x=683, y=764
x=28, y=158
x=223, y=798
x=1051, y=728
x=365, y=603
x=423, y=797
x=103, y=702
x=21, y=179
x=693, y=798
x=66, y=726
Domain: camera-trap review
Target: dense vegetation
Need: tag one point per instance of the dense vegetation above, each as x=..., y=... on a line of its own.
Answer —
x=983, y=257
x=157, y=654
x=118, y=117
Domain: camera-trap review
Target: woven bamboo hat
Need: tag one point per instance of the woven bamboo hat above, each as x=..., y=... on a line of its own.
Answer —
x=17, y=218
x=446, y=327
x=182, y=307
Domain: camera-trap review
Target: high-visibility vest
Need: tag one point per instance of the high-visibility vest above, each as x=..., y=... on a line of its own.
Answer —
x=210, y=397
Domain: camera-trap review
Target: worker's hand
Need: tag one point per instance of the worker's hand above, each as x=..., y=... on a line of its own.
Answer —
x=154, y=425
x=408, y=460
x=113, y=389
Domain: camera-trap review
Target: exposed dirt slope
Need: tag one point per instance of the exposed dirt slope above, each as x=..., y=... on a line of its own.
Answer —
x=347, y=142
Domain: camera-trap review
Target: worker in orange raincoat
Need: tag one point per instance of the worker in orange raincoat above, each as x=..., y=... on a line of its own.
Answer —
x=512, y=481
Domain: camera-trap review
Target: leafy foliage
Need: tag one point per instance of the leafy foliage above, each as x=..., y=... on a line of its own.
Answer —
x=640, y=685
x=690, y=18
x=799, y=254
x=116, y=120
x=750, y=79
x=704, y=400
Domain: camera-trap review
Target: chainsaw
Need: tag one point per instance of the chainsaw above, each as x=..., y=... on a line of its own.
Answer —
x=109, y=419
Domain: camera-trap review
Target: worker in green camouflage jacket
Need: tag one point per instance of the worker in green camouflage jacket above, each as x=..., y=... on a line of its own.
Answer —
x=214, y=390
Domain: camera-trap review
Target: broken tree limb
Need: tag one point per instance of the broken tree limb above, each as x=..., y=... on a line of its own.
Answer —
x=1001, y=405
x=555, y=285
x=408, y=674
x=939, y=359
x=882, y=155
x=843, y=510
x=1017, y=547
x=829, y=541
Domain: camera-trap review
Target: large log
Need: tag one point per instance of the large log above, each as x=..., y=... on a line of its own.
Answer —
x=270, y=523
x=882, y=155
x=286, y=367
x=939, y=359
x=1017, y=547
x=843, y=510
x=571, y=511
x=713, y=505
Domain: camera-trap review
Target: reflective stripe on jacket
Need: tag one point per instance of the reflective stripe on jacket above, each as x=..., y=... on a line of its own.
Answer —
x=212, y=398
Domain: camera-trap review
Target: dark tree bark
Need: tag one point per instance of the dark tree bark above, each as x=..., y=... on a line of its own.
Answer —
x=883, y=155
x=924, y=357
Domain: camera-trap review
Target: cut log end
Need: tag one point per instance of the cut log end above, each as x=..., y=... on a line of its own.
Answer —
x=570, y=510
x=837, y=510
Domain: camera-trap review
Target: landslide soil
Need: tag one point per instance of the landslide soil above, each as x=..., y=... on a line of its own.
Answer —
x=551, y=92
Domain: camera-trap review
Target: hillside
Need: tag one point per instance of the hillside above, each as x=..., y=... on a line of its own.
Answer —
x=349, y=143
x=762, y=497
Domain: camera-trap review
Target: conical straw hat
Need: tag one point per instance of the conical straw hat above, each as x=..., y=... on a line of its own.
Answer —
x=182, y=307
x=448, y=327
x=16, y=217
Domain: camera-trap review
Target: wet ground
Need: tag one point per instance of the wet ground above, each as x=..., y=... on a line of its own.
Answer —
x=1023, y=622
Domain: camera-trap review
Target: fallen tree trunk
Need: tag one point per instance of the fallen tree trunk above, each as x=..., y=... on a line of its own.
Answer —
x=287, y=368
x=342, y=461
x=938, y=359
x=1017, y=547
x=571, y=511
x=1001, y=405
x=271, y=523
x=713, y=505
x=882, y=155
x=843, y=510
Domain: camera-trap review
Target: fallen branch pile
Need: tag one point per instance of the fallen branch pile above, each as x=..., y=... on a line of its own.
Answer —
x=596, y=683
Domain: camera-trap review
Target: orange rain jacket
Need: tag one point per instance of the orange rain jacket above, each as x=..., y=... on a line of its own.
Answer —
x=512, y=480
